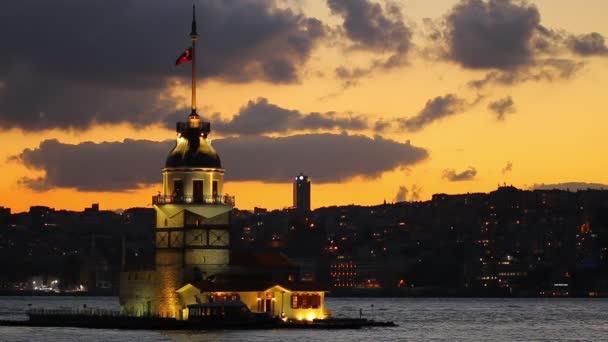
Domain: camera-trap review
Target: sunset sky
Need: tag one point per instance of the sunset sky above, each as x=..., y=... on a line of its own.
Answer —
x=374, y=100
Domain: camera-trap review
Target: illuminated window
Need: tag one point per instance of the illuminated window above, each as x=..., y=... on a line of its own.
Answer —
x=226, y=296
x=295, y=301
x=315, y=301
x=305, y=301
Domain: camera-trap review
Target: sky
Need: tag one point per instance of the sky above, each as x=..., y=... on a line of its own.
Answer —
x=374, y=100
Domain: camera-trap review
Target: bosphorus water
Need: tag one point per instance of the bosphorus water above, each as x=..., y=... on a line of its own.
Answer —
x=419, y=319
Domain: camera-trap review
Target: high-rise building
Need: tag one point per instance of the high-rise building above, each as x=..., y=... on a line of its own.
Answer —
x=301, y=193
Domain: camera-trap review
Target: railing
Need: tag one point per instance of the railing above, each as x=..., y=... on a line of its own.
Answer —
x=187, y=199
x=73, y=311
x=84, y=314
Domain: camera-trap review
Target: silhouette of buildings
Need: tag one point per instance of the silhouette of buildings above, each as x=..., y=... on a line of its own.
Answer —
x=508, y=242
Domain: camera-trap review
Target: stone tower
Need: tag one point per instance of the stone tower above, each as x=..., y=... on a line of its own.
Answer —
x=192, y=212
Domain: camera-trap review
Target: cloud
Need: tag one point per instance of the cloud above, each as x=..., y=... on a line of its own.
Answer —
x=591, y=44
x=109, y=61
x=326, y=157
x=507, y=169
x=506, y=37
x=494, y=34
x=466, y=175
x=502, y=106
x=350, y=77
x=415, y=191
x=381, y=125
x=434, y=109
x=549, y=69
x=131, y=164
x=570, y=186
x=372, y=28
x=401, y=195
x=88, y=166
x=261, y=117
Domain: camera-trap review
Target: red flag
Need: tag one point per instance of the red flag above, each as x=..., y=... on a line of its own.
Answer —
x=186, y=56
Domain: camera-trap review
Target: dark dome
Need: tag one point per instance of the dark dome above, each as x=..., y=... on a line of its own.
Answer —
x=193, y=152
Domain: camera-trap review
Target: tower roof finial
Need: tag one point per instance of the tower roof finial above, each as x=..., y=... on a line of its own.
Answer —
x=193, y=32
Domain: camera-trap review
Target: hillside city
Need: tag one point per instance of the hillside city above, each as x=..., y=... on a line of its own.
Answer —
x=508, y=242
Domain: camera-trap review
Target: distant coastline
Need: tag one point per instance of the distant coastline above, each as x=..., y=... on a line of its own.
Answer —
x=350, y=293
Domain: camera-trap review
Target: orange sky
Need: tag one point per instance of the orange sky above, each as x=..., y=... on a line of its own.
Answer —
x=556, y=134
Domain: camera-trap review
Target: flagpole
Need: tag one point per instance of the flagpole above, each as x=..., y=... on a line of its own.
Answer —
x=193, y=35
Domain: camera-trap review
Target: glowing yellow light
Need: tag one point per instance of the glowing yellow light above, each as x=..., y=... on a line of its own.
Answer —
x=300, y=317
x=310, y=316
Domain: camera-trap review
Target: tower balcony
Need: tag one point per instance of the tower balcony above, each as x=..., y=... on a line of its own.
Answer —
x=187, y=199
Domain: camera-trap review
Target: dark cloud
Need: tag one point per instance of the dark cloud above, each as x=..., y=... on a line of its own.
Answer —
x=502, y=106
x=401, y=195
x=261, y=117
x=506, y=37
x=350, y=77
x=466, y=175
x=72, y=63
x=372, y=28
x=591, y=44
x=88, y=166
x=549, y=69
x=381, y=125
x=434, y=109
x=571, y=186
x=507, y=169
x=547, y=41
x=491, y=34
x=326, y=157
x=121, y=166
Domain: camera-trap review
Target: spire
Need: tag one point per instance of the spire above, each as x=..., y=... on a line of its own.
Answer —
x=193, y=32
x=193, y=35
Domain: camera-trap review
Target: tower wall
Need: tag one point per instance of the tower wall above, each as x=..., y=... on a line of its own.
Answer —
x=188, y=176
x=170, y=277
x=192, y=243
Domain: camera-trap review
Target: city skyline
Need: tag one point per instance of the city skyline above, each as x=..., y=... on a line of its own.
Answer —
x=373, y=102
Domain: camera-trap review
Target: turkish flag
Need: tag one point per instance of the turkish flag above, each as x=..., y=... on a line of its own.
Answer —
x=186, y=56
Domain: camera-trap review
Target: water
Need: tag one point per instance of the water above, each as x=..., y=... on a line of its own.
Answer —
x=419, y=319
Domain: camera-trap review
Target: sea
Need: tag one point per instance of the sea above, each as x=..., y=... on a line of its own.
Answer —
x=419, y=319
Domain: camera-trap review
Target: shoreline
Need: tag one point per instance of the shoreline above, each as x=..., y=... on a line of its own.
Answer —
x=355, y=294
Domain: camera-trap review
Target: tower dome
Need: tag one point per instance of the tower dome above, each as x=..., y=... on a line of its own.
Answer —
x=192, y=148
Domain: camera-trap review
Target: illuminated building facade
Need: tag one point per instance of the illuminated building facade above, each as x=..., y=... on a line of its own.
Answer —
x=289, y=300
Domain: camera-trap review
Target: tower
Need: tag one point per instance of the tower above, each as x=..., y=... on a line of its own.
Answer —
x=301, y=193
x=192, y=213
